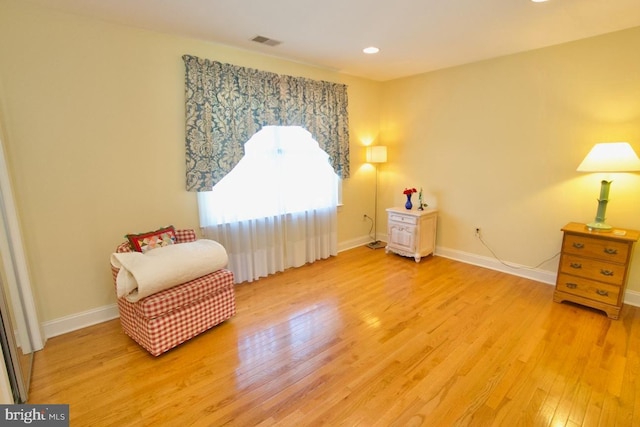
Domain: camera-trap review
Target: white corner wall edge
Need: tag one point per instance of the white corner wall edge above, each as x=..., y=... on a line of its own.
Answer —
x=87, y=318
x=16, y=271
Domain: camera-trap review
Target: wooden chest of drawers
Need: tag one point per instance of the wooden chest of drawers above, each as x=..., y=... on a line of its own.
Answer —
x=594, y=267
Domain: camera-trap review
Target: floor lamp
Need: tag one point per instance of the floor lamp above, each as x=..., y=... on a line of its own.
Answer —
x=376, y=154
x=608, y=157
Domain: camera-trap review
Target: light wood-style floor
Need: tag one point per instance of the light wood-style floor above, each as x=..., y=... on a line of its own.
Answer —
x=364, y=339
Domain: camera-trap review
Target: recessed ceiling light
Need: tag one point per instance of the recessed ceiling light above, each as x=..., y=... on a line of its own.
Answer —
x=539, y=1
x=371, y=50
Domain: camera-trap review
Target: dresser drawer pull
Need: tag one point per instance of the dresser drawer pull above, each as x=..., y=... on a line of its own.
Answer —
x=575, y=265
x=578, y=245
x=571, y=285
x=606, y=272
x=602, y=292
x=610, y=251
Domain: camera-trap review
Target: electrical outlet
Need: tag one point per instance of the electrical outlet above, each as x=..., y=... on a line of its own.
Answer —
x=477, y=232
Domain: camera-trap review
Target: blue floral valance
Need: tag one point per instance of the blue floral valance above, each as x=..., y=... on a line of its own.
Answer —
x=227, y=104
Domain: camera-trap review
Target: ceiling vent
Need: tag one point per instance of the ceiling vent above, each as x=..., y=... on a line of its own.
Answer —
x=266, y=41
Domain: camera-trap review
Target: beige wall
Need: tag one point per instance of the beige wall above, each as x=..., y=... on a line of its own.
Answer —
x=496, y=144
x=93, y=115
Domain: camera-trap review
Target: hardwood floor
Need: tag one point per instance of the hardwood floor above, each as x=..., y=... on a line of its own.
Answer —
x=364, y=339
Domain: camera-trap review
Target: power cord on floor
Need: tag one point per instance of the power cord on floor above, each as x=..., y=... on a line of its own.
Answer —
x=371, y=236
x=515, y=267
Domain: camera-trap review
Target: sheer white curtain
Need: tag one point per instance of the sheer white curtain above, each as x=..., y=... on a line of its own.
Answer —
x=277, y=208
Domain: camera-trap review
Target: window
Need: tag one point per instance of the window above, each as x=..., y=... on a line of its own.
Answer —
x=278, y=203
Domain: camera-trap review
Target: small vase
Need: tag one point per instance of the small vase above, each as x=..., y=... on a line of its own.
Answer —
x=408, y=205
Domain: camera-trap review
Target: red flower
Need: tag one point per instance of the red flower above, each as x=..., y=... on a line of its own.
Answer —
x=409, y=191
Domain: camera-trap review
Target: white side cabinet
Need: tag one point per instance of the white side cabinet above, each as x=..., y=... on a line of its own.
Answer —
x=411, y=233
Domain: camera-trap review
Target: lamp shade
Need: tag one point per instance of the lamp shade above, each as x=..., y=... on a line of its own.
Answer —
x=376, y=154
x=610, y=157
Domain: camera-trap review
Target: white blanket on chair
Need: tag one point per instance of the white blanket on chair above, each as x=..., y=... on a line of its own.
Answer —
x=141, y=274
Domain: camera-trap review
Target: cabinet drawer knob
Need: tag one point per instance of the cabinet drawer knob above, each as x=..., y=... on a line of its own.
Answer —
x=578, y=245
x=575, y=265
x=606, y=272
x=571, y=285
x=610, y=251
x=602, y=292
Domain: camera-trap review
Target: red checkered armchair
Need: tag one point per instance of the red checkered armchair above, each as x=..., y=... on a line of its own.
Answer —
x=168, y=318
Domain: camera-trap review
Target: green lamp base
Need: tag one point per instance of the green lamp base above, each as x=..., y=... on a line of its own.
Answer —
x=599, y=226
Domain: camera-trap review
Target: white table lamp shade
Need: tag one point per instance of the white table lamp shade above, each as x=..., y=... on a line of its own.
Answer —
x=610, y=157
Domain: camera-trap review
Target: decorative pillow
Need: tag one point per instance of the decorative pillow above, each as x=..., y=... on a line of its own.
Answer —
x=153, y=239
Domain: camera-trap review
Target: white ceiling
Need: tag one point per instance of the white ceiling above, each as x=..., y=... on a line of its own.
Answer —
x=414, y=36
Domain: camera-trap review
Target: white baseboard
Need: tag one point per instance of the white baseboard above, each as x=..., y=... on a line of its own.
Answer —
x=81, y=320
x=544, y=276
x=538, y=275
x=354, y=243
x=632, y=298
x=87, y=318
